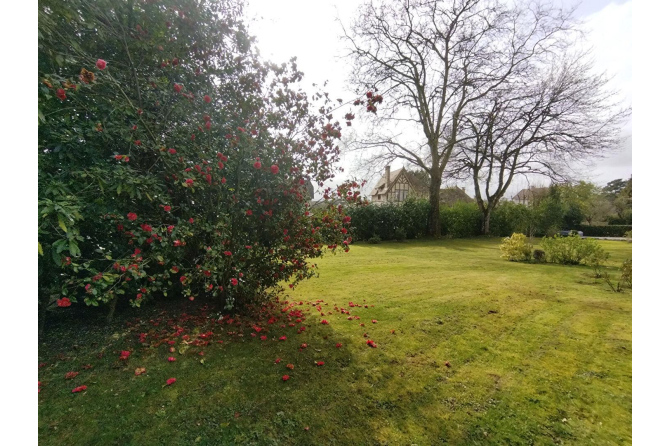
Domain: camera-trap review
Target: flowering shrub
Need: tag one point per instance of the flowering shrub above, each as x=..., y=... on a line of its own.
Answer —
x=573, y=250
x=172, y=160
x=516, y=248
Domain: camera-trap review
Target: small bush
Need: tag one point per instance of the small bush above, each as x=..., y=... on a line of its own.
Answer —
x=629, y=236
x=516, y=248
x=573, y=250
x=400, y=235
x=627, y=273
x=375, y=240
x=539, y=256
x=626, y=279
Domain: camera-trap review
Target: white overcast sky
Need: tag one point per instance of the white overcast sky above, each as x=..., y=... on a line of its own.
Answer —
x=308, y=29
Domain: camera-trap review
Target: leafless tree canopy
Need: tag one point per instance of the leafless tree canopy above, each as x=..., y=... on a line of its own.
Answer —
x=537, y=125
x=447, y=68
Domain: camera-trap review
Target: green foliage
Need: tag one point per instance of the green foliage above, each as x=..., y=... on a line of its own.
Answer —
x=516, y=248
x=591, y=201
x=159, y=124
x=390, y=220
x=510, y=217
x=573, y=250
x=626, y=218
x=605, y=231
x=573, y=215
x=400, y=235
x=375, y=240
x=460, y=220
x=620, y=194
x=547, y=215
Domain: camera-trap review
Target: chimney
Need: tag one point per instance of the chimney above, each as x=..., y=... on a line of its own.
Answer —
x=388, y=178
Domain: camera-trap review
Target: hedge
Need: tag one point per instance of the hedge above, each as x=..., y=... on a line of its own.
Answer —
x=605, y=231
x=409, y=220
x=461, y=220
x=390, y=221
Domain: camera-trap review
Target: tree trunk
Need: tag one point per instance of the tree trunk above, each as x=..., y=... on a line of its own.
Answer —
x=486, y=221
x=434, y=214
x=112, y=308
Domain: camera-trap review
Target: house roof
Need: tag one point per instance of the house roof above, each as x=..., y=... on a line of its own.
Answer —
x=452, y=195
x=530, y=193
x=380, y=187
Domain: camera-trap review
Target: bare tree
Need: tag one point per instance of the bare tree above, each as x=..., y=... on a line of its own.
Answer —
x=538, y=124
x=434, y=62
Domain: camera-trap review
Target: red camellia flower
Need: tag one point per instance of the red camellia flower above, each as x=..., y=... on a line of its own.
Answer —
x=178, y=88
x=171, y=381
x=207, y=99
x=374, y=321
x=189, y=182
x=320, y=363
x=124, y=355
x=338, y=345
x=303, y=346
x=172, y=151
x=171, y=359
x=60, y=93
x=290, y=366
x=283, y=338
x=138, y=142
x=263, y=338
x=167, y=208
x=274, y=169
x=219, y=165
x=182, y=279
x=190, y=220
x=208, y=125
x=79, y=389
x=285, y=377
x=324, y=322
x=223, y=180
x=71, y=375
x=277, y=361
x=233, y=282
x=249, y=212
x=64, y=302
x=257, y=165
x=175, y=61
x=101, y=64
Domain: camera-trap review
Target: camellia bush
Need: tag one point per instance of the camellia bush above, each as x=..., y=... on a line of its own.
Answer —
x=173, y=160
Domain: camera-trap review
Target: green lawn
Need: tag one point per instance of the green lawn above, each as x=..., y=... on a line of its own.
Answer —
x=538, y=354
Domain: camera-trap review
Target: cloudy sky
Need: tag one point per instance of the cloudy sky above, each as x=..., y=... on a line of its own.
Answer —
x=309, y=30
